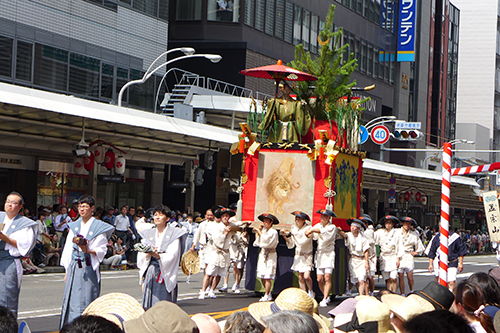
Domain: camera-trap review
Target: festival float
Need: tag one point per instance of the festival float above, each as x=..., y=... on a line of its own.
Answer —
x=300, y=151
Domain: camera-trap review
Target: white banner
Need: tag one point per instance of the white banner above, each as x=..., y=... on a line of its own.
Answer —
x=492, y=214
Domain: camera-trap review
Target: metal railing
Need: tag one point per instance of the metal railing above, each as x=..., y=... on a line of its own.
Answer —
x=183, y=77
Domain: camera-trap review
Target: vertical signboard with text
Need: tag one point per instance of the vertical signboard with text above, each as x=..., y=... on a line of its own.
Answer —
x=406, y=30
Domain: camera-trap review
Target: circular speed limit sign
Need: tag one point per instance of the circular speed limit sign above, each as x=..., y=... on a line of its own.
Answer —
x=380, y=134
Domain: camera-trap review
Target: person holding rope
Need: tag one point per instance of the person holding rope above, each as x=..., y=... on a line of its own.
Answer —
x=410, y=246
x=325, y=234
x=303, y=259
x=267, y=239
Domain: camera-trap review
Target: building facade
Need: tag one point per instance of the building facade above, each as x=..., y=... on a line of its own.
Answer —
x=86, y=50
x=478, y=100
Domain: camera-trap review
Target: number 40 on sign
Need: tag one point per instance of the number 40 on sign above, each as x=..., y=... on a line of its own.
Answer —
x=380, y=134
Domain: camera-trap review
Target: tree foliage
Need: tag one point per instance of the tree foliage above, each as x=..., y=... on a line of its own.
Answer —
x=333, y=68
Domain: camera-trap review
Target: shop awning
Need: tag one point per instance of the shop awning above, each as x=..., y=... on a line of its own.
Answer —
x=414, y=172
x=39, y=120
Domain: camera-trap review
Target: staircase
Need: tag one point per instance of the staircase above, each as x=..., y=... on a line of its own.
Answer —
x=180, y=92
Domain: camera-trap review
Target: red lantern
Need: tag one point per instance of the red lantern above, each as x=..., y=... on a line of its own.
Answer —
x=99, y=154
x=407, y=196
x=78, y=165
x=109, y=159
x=418, y=196
x=88, y=162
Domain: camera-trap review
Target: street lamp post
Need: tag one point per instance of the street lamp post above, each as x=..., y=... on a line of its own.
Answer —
x=212, y=57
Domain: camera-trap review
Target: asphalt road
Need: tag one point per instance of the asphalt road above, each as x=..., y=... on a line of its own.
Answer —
x=41, y=295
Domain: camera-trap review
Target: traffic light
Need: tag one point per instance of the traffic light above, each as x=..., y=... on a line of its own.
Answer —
x=406, y=134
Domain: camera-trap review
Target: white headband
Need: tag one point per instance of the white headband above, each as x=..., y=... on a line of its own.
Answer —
x=356, y=224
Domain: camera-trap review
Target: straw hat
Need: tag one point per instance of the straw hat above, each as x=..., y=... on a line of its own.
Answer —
x=413, y=305
x=496, y=322
x=162, y=317
x=190, y=263
x=115, y=307
x=288, y=299
x=392, y=300
x=409, y=219
x=370, y=316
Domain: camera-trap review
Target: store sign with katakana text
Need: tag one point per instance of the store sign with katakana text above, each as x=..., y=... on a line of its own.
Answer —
x=492, y=212
x=406, y=30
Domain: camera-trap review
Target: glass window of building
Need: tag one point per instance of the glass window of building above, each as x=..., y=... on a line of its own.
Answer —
x=188, y=10
x=107, y=74
x=6, y=44
x=51, y=67
x=84, y=75
x=259, y=15
x=121, y=80
x=369, y=68
x=366, y=8
x=270, y=15
x=288, y=36
x=24, y=60
x=249, y=12
x=375, y=63
x=306, y=23
x=314, y=33
x=280, y=12
x=359, y=6
x=363, y=56
x=163, y=9
x=223, y=10
x=377, y=11
x=146, y=6
x=128, y=2
x=297, y=25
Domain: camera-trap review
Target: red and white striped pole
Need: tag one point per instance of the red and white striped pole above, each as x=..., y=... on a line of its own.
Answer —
x=475, y=169
x=445, y=215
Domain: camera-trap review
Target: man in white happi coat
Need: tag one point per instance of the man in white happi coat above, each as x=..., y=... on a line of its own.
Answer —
x=358, y=247
x=325, y=233
x=388, y=240
x=410, y=245
x=369, y=233
x=218, y=258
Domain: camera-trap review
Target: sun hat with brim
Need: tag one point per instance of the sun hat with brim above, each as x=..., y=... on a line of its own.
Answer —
x=273, y=218
x=496, y=322
x=370, y=316
x=356, y=221
x=115, y=307
x=409, y=219
x=439, y=296
x=346, y=306
x=222, y=211
x=391, y=218
x=326, y=212
x=301, y=215
x=495, y=273
x=412, y=306
x=392, y=300
x=164, y=316
x=288, y=299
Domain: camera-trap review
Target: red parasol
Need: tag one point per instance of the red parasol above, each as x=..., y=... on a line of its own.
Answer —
x=278, y=72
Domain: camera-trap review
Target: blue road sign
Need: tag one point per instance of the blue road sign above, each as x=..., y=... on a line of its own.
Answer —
x=363, y=135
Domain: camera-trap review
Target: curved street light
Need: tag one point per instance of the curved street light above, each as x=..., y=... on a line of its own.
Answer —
x=212, y=57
